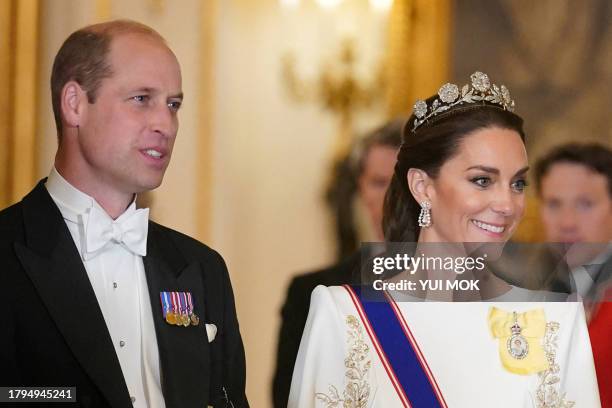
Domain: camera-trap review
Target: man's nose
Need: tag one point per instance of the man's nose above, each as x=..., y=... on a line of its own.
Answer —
x=568, y=220
x=163, y=121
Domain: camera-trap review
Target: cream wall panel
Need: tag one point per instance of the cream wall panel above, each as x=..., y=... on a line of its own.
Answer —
x=58, y=18
x=271, y=158
x=269, y=165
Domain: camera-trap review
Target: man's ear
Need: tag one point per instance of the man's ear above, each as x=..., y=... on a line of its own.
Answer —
x=72, y=99
x=419, y=184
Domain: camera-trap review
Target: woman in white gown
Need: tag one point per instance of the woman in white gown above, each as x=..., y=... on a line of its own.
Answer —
x=459, y=177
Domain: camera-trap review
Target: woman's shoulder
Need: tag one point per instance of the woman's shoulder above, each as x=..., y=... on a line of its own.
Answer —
x=336, y=302
x=336, y=291
x=337, y=297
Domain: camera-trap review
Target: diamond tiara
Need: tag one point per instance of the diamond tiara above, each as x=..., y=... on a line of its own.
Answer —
x=480, y=90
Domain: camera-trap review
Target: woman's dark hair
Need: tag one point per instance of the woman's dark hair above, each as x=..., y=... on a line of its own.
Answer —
x=428, y=148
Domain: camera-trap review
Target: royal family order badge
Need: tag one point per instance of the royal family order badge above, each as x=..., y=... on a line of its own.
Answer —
x=517, y=344
x=520, y=337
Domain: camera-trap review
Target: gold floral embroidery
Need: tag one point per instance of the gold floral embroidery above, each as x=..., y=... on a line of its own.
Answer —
x=547, y=393
x=357, y=364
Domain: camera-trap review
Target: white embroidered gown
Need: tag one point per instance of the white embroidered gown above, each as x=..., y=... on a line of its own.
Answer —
x=460, y=351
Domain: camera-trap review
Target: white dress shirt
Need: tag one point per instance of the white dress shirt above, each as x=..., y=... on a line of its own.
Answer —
x=118, y=279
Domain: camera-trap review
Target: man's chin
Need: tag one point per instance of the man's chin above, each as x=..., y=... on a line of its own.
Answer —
x=581, y=253
x=144, y=186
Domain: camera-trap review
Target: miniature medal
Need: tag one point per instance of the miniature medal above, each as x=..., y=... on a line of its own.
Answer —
x=176, y=303
x=171, y=317
x=179, y=318
x=195, y=320
x=168, y=307
x=184, y=319
x=517, y=344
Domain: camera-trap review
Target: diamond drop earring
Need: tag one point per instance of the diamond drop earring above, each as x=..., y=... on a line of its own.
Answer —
x=425, y=215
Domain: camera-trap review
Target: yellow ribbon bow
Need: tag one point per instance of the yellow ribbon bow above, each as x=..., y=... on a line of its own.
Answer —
x=532, y=325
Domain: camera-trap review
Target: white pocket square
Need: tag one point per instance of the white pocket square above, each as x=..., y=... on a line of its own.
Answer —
x=211, y=331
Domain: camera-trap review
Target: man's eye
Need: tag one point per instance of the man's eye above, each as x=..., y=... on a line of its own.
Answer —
x=141, y=98
x=174, y=106
x=552, y=204
x=481, y=181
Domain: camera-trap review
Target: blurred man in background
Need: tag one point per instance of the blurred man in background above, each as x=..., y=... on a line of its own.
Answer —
x=575, y=188
x=371, y=167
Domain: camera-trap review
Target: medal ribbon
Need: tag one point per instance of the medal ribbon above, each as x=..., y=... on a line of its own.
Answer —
x=181, y=303
x=397, y=348
x=165, y=303
x=175, y=304
x=189, y=303
x=186, y=304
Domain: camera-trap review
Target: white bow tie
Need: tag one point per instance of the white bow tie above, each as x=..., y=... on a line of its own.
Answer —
x=131, y=232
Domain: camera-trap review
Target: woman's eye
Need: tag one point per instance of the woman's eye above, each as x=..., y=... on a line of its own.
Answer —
x=482, y=181
x=519, y=185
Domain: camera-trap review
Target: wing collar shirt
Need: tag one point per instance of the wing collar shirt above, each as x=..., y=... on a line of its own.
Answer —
x=112, y=251
x=586, y=275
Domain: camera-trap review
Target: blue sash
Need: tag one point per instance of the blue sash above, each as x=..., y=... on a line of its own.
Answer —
x=406, y=365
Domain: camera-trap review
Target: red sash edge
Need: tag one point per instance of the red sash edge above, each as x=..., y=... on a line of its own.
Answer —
x=379, y=350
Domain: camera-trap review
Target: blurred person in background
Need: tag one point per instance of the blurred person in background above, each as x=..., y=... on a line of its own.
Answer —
x=360, y=191
x=575, y=189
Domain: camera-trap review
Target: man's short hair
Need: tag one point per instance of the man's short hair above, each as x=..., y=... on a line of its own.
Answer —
x=388, y=135
x=593, y=156
x=83, y=58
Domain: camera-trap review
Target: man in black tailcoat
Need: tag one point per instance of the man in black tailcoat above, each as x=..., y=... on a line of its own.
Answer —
x=96, y=296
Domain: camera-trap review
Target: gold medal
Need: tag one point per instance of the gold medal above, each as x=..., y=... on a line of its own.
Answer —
x=171, y=317
x=195, y=320
x=185, y=320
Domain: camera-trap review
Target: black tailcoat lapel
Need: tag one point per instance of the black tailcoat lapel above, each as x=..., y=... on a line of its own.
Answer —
x=184, y=351
x=52, y=262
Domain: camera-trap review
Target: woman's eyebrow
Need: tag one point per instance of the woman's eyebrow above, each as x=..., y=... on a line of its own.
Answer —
x=484, y=168
x=522, y=171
